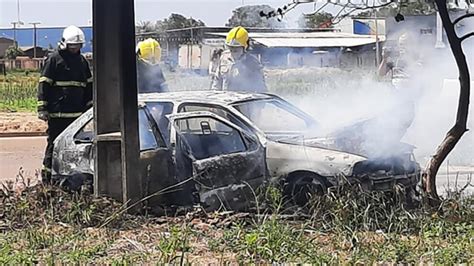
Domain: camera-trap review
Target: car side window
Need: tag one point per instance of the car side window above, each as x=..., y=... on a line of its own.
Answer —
x=86, y=133
x=159, y=110
x=207, y=137
x=146, y=135
x=194, y=107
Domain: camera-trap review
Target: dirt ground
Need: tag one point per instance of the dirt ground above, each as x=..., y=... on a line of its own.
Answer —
x=21, y=156
x=20, y=122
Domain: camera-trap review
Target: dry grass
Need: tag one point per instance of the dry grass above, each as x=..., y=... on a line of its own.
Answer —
x=47, y=225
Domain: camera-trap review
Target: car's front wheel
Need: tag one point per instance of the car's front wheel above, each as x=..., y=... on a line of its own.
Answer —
x=301, y=187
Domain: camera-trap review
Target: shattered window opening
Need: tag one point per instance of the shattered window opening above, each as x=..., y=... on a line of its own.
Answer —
x=208, y=137
x=86, y=133
x=159, y=110
x=271, y=116
x=218, y=110
x=147, y=138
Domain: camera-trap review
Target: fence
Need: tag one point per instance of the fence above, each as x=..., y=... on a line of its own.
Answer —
x=22, y=63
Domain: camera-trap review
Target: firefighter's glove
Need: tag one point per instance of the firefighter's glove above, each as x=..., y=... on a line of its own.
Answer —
x=43, y=115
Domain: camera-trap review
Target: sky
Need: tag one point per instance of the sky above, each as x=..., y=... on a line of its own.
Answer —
x=79, y=12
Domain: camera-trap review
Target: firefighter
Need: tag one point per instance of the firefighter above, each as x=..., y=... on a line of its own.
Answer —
x=214, y=63
x=238, y=70
x=150, y=77
x=64, y=91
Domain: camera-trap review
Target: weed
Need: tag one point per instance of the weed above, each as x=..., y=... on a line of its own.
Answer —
x=346, y=226
x=175, y=245
x=18, y=92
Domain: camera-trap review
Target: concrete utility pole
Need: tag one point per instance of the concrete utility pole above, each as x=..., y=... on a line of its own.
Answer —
x=439, y=32
x=377, y=44
x=18, y=10
x=34, y=37
x=115, y=102
x=14, y=33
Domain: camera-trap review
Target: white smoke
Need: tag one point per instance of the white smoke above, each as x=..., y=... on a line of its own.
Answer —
x=344, y=97
x=341, y=97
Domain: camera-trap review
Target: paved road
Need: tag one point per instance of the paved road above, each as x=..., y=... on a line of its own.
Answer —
x=27, y=152
x=21, y=152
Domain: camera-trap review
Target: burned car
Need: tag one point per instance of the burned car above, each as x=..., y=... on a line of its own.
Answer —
x=223, y=145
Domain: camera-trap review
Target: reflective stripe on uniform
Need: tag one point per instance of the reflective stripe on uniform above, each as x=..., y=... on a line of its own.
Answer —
x=46, y=169
x=46, y=79
x=42, y=103
x=64, y=115
x=70, y=83
x=89, y=80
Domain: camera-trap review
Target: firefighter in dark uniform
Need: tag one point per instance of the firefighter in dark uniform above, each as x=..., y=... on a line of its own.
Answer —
x=150, y=77
x=64, y=91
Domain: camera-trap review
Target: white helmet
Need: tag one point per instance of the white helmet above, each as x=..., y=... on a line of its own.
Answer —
x=72, y=35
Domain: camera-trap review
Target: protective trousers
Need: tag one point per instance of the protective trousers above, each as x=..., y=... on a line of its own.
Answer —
x=55, y=127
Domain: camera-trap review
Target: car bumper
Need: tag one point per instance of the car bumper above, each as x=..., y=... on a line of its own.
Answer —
x=379, y=182
x=387, y=183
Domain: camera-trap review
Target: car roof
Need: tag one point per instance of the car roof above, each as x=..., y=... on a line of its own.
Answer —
x=216, y=97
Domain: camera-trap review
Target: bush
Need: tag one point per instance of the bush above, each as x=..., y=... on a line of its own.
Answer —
x=12, y=52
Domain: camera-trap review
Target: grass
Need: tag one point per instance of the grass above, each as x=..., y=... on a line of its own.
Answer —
x=347, y=226
x=18, y=92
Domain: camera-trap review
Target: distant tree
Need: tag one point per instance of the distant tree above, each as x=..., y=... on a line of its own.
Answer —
x=145, y=26
x=174, y=21
x=317, y=20
x=177, y=21
x=407, y=8
x=249, y=16
x=12, y=52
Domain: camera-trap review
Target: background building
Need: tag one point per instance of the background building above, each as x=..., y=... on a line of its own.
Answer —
x=192, y=48
x=46, y=37
x=4, y=44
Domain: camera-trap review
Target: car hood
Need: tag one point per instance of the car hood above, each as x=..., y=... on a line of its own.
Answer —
x=375, y=137
x=284, y=158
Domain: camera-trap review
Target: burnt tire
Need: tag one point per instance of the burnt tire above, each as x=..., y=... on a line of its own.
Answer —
x=301, y=188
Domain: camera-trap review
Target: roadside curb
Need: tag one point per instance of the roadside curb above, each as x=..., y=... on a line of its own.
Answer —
x=22, y=134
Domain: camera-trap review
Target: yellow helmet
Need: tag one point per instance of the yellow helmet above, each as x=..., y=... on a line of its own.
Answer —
x=149, y=50
x=237, y=37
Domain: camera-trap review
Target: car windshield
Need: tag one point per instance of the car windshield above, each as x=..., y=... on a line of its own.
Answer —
x=278, y=119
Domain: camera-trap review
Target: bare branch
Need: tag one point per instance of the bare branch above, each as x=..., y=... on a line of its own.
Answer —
x=468, y=184
x=290, y=6
x=340, y=18
x=317, y=11
x=357, y=7
x=463, y=17
x=340, y=11
x=466, y=36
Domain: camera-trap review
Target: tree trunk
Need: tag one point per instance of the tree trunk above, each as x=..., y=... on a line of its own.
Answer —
x=456, y=132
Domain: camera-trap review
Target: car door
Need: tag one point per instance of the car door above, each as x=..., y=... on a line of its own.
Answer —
x=73, y=150
x=227, y=163
x=74, y=154
x=155, y=163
